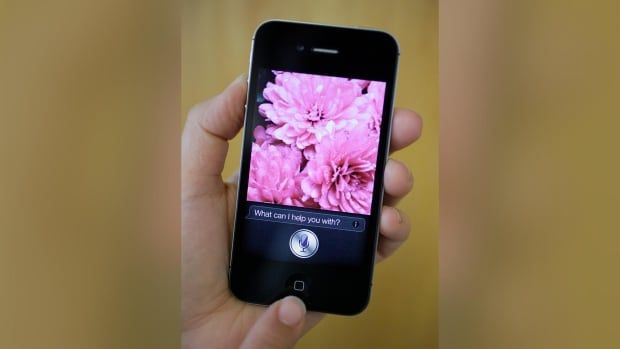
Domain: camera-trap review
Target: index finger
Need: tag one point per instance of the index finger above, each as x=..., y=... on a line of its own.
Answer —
x=406, y=128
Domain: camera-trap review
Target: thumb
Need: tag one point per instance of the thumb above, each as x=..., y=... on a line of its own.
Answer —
x=207, y=130
x=279, y=327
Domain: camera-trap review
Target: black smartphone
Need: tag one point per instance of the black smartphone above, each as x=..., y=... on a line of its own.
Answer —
x=316, y=139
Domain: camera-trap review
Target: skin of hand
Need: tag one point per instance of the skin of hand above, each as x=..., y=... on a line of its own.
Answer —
x=211, y=316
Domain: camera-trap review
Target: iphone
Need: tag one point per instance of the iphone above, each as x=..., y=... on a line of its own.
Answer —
x=316, y=137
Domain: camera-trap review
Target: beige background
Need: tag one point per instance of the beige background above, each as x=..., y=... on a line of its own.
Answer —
x=216, y=38
x=529, y=240
x=89, y=149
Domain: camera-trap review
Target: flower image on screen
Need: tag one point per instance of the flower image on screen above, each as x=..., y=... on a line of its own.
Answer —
x=315, y=141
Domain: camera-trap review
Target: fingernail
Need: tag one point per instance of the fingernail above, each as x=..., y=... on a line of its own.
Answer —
x=400, y=217
x=292, y=311
x=242, y=78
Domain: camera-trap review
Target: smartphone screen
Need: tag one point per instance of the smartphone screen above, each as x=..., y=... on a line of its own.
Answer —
x=318, y=118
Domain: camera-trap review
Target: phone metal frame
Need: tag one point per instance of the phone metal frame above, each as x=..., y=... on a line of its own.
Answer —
x=376, y=206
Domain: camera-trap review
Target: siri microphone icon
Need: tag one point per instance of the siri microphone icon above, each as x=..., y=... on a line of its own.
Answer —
x=304, y=243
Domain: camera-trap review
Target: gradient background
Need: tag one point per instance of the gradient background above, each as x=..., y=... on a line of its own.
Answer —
x=529, y=241
x=89, y=176
x=90, y=105
x=216, y=40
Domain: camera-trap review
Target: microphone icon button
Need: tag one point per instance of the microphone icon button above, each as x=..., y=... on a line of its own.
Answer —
x=304, y=243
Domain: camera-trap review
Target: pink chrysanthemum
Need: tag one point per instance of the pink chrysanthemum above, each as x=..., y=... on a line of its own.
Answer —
x=341, y=175
x=306, y=108
x=264, y=135
x=371, y=105
x=274, y=171
x=362, y=83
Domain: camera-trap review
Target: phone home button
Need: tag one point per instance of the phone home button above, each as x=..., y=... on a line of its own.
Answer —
x=299, y=285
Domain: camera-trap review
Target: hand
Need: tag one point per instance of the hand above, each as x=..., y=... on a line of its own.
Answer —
x=211, y=316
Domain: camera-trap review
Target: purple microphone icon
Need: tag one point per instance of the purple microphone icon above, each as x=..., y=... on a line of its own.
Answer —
x=304, y=243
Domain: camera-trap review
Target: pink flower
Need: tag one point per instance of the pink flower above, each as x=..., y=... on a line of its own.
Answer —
x=341, y=175
x=370, y=105
x=376, y=91
x=306, y=108
x=264, y=135
x=361, y=83
x=274, y=171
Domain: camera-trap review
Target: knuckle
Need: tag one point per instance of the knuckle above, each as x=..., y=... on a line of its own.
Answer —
x=197, y=111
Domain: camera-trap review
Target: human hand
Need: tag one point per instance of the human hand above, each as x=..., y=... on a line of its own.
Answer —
x=211, y=315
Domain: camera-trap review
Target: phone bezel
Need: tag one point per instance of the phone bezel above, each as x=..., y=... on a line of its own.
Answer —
x=362, y=54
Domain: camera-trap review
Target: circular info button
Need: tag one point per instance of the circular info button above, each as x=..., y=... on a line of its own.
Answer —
x=304, y=243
